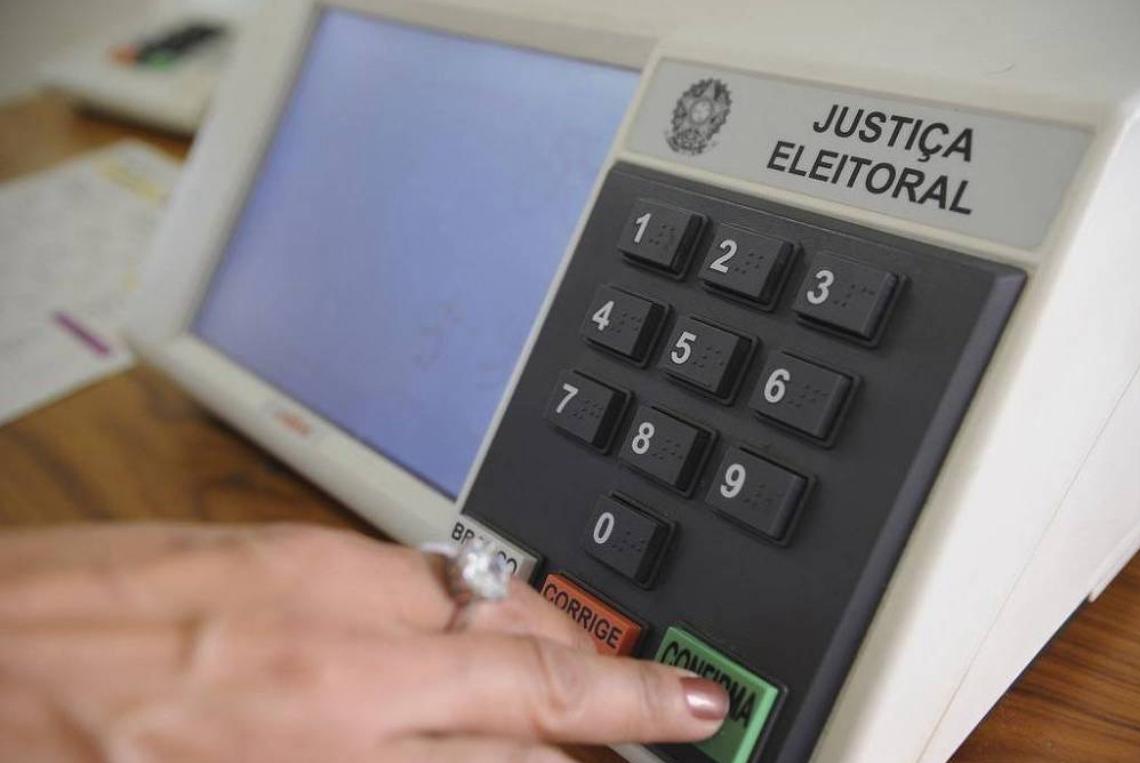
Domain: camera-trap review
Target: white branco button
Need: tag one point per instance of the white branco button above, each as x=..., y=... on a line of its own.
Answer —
x=522, y=564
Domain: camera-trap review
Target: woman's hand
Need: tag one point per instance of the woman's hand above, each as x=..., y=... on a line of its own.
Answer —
x=173, y=643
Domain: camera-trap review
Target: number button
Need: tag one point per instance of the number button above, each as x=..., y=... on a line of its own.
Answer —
x=625, y=538
x=746, y=264
x=659, y=235
x=705, y=356
x=756, y=493
x=623, y=323
x=585, y=409
x=845, y=295
x=665, y=448
x=802, y=395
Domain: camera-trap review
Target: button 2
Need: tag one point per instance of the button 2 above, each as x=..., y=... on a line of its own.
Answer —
x=659, y=235
x=705, y=356
x=665, y=448
x=585, y=409
x=612, y=632
x=756, y=493
x=622, y=322
x=624, y=538
x=751, y=699
x=803, y=395
x=746, y=264
x=846, y=295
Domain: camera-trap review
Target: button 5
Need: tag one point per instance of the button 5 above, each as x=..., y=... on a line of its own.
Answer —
x=612, y=632
x=803, y=395
x=585, y=409
x=752, y=700
x=756, y=493
x=621, y=322
x=846, y=295
x=659, y=235
x=705, y=356
x=625, y=539
x=746, y=264
x=665, y=448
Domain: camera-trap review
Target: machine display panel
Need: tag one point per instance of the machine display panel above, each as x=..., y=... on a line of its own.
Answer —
x=404, y=227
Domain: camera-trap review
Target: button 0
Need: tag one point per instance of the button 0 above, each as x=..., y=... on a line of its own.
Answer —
x=625, y=539
x=747, y=264
x=845, y=294
x=665, y=447
x=585, y=409
x=756, y=493
x=659, y=235
x=705, y=356
x=622, y=322
x=751, y=699
x=803, y=395
x=520, y=562
x=612, y=632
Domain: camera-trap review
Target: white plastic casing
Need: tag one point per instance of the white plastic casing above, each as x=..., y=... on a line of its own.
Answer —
x=1038, y=502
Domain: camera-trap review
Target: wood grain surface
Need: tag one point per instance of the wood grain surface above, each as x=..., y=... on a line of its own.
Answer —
x=136, y=447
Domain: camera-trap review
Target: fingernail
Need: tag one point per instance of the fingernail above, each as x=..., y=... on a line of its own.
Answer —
x=706, y=700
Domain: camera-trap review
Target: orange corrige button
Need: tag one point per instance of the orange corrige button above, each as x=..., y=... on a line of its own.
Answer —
x=613, y=632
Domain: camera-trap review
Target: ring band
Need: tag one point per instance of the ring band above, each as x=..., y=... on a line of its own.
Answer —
x=471, y=572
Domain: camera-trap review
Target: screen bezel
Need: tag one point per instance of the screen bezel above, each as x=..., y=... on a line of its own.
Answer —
x=220, y=172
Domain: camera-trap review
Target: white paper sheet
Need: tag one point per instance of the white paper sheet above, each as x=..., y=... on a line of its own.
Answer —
x=71, y=242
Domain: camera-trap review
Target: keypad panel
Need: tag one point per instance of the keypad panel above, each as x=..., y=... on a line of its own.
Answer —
x=822, y=478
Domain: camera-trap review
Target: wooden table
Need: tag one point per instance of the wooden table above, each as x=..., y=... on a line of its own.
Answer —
x=135, y=446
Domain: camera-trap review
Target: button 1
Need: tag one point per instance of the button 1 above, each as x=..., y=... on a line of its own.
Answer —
x=586, y=409
x=802, y=395
x=845, y=294
x=659, y=235
x=612, y=632
x=520, y=562
x=664, y=447
x=752, y=700
x=747, y=264
x=756, y=492
x=624, y=538
x=705, y=356
x=621, y=322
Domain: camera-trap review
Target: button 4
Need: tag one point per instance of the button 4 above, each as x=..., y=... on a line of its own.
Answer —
x=756, y=493
x=622, y=322
x=624, y=538
x=752, y=700
x=746, y=264
x=659, y=235
x=846, y=295
x=800, y=394
x=612, y=632
x=705, y=356
x=666, y=448
x=585, y=409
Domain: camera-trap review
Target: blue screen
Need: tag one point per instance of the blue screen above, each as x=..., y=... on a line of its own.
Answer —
x=406, y=222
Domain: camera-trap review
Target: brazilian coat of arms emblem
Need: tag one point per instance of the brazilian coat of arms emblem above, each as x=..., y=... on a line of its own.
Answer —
x=699, y=114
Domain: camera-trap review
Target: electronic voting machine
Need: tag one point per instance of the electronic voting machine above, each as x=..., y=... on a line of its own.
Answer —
x=794, y=343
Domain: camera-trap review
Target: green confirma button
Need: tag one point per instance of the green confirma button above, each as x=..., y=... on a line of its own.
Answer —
x=751, y=698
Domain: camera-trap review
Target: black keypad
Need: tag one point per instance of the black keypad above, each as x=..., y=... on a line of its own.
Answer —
x=664, y=447
x=622, y=322
x=803, y=395
x=659, y=235
x=705, y=356
x=746, y=264
x=842, y=294
x=625, y=539
x=756, y=493
x=586, y=409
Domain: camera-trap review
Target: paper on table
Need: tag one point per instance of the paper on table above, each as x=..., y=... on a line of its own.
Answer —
x=71, y=242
